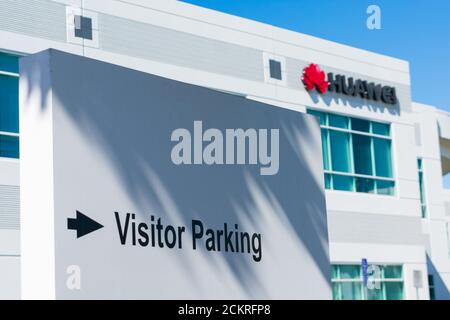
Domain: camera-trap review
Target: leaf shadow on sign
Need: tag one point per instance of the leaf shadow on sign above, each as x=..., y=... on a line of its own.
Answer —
x=34, y=81
x=331, y=98
x=128, y=116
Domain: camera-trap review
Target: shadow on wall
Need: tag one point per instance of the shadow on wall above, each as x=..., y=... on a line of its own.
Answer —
x=440, y=289
x=38, y=73
x=144, y=109
x=354, y=102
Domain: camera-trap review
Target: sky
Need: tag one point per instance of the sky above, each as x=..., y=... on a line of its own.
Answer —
x=414, y=30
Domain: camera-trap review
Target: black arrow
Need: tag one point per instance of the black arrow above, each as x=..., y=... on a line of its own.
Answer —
x=83, y=224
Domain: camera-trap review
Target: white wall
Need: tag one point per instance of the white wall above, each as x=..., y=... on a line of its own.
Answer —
x=435, y=196
x=9, y=234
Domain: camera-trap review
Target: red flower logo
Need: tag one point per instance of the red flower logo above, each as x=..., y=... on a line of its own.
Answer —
x=314, y=77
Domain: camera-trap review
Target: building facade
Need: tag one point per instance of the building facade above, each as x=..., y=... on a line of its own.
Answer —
x=384, y=155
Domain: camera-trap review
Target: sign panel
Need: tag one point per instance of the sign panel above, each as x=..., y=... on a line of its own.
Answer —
x=139, y=187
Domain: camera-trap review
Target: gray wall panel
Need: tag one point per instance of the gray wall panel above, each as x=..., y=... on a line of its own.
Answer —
x=37, y=18
x=447, y=208
x=147, y=41
x=374, y=228
x=9, y=207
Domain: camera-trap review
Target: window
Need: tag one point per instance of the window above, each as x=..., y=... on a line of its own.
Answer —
x=347, y=283
x=9, y=102
x=362, y=149
x=83, y=27
x=275, y=69
x=421, y=188
x=356, y=154
x=431, y=287
x=9, y=106
x=340, y=151
x=9, y=146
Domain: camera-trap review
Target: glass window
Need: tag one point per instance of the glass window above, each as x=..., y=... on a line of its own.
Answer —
x=327, y=181
x=385, y=187
x=421, y=188
x=422, y=200
x=392, y=272
x=393, y=290
x=432, y=294
x=343, y=183
x=353, y=147
x=350, y=291
x=362, y=152
x=360, y=125
x=347, y=283
x=325, y=153
x=9, y=63
x=430, y=280
x=376, y=293
x=349, y=271
x=9, y=104
x=83, y=27
x=431, y=287
x=336, y=290
x=335, y=271
x=381, y=129
x=337, y=121
x=365, y=185
x=382, y=149
x=340, y=151
x=320, y=115
x=9, y=146
x=275, y=69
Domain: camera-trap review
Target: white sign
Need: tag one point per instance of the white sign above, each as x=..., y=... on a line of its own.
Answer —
x=138, y=187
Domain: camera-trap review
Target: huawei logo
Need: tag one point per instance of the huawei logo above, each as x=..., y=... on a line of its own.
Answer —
x=314, y=77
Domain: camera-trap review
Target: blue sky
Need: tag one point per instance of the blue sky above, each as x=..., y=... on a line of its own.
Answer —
x=414, y=30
